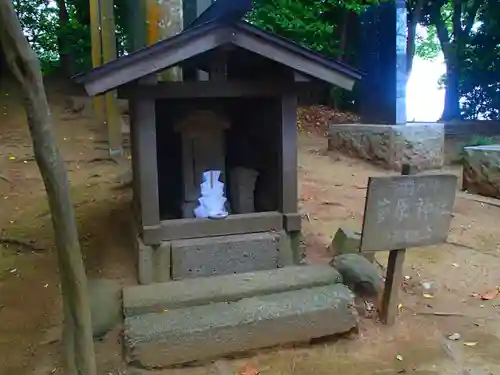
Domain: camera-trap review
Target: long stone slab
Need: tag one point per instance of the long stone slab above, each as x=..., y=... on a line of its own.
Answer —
x=420, y=144
x=205, y=332
x=153, y=298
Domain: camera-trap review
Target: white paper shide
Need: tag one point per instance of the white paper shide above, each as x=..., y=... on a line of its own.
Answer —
x=212, y=201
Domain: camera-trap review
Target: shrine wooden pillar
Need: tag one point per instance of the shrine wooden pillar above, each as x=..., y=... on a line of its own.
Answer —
x=144, y=162
x=288, y=191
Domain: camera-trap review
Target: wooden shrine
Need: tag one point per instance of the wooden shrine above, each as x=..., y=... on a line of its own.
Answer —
x=242, y=121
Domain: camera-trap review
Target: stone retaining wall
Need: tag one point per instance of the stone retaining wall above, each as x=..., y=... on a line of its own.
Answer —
x=390, y=146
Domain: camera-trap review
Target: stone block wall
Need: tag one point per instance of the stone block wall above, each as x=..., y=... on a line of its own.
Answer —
x=390, y=146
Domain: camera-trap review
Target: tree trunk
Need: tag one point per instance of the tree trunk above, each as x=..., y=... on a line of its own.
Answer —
x=77, y=338
x=450, y=48
x=451, y=110
x=414, y=17
x=67, y=57
x=343, y=35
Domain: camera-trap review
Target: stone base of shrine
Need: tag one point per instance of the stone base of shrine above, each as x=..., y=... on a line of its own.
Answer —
x=213, y=256
x=419, y=144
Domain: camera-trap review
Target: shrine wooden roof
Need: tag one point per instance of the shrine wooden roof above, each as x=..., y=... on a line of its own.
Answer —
x=220, y=25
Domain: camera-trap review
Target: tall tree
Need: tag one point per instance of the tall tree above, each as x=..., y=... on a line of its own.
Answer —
x=66, y=53
x=415, y=14
x=480, y=74
x=453, y=20
x=24, y=64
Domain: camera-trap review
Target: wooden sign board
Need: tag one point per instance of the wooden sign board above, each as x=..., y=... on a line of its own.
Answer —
x=407, y=211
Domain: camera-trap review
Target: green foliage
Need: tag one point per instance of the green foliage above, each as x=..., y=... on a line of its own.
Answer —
x=41, y=25
x=480, y=84
x=38, y=19
x=311, y=23
x=427, y=46
x=301, y=21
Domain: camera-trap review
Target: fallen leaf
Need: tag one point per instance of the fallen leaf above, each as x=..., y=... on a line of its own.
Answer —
x=490, y=295
x=470, y=343
x=12, y=158
x=427, y=295
x=249, y=370
x=400, y=307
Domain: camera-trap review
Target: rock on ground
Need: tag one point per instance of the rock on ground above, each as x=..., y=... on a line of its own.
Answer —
x=358, y=274
x=105, y=305
x=345, y=241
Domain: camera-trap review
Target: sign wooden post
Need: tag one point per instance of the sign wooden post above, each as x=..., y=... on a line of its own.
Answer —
x=401, y=212
x=393, y=277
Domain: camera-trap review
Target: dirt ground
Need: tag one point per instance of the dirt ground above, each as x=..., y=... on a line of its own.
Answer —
x=332, y=191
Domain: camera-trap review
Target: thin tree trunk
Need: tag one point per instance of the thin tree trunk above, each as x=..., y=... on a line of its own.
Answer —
x=335, y=95
x=453, y=48
x=415, y=16
x=451, y=110
x=77, y=338
x=65, y=54
x=449, y=47
x=343, y=35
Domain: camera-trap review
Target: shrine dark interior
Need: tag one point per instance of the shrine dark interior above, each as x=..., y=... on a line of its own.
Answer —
x=252, y=141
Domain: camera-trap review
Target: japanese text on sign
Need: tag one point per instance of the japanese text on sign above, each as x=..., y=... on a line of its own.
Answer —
x=407, y=211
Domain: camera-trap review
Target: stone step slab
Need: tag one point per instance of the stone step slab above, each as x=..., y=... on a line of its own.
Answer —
x=157, y=297
x=205, y=332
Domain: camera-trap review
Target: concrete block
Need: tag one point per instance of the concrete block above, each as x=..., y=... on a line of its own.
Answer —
x=205, y=332
x=162, y=262
x=211, y=256
x=345, y=241
x=145, y=262
x=285, y=255
x=143, y=299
